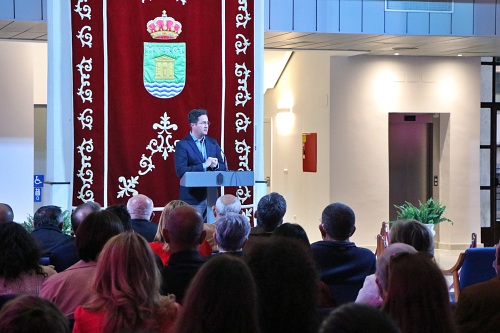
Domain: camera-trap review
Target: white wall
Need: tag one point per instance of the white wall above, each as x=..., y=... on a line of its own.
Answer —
x=353, y=158
x=307, y=80
x=364, y=90
x=17, y=96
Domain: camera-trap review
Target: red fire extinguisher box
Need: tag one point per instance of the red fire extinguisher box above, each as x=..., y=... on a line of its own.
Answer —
x=309, y=152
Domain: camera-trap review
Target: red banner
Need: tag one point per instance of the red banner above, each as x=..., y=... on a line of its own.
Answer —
x=139, y=67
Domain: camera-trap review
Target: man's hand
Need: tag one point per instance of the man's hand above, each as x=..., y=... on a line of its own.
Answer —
x=211, y=162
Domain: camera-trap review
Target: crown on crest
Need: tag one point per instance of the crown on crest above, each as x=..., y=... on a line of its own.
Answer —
x=164, y=27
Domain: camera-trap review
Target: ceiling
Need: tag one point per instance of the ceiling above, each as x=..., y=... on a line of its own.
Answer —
x=346, y=44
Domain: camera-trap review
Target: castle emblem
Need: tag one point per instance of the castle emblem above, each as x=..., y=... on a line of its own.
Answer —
x=164, y=63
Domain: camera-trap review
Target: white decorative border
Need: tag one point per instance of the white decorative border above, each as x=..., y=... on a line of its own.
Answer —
x=83, y=11
x=243, y=18
x=161, y=145
x=85, y=36
x=85, y=174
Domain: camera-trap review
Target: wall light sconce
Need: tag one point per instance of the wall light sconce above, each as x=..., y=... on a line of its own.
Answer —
x=284, y=121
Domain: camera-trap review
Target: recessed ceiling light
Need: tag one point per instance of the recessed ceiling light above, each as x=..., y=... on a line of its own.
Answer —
x=459, y=55
x=396, y=53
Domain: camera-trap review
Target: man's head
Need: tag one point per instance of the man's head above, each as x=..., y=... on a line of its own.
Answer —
x=270, y=211
x=140, y=207
x=81, y=212
x=227, y=203
x=231, y=232
x=198, y=120
x=337, y=222
x=414, y=233
x=48, y=216
x=6, y=213
x=184, y=229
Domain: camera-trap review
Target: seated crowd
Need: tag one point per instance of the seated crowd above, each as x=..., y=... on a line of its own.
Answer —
x=121, y=272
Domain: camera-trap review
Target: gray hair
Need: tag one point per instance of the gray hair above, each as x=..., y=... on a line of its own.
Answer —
x=227, y=203
x=232, y=231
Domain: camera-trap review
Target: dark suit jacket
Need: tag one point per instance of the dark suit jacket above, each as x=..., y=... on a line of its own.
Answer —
x=65, y=255
x=188, y=157
x=478, y=307
x=182, y=267
x=343, y=267
x=49, y=238
x=145, y=228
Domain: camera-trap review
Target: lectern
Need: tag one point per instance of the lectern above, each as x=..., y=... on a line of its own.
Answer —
x=214, y=179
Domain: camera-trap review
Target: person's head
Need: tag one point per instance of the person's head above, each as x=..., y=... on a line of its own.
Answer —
x=184, y=229
x=198, y=121
x=163, y=218
x=81, y=212
x=94, y=232
x=48, y=216
x=292, y=230
x=287, y=285
x=270, y=211
x=337, y=222
x=384, y=259
x=126, y=284
x=231, y=232
x=6, y=213
x=358, y=318
x=414, y=233
x=227, y=203
x=32, y=314
x=221, y=298
x=140, y=207
x=417, y=294
x=19, y=252
x=121, y=211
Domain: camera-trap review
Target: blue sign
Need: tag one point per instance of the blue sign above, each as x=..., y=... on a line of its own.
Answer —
x=38, y=194
x=38, y=181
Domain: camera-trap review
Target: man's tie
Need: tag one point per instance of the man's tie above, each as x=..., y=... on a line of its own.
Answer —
x=202, y=149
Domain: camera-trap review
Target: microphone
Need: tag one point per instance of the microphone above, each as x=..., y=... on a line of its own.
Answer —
x=224, y=157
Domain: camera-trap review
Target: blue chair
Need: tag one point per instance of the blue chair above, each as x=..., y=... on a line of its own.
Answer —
x=473, y=266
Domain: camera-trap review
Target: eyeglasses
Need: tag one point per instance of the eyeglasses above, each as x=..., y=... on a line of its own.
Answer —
x=204, y=123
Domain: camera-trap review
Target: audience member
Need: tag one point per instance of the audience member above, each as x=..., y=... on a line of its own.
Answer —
x=6, y=213
x=232, y=233
x=121, y=211
x=292, y=230
x=287, y=286
x=20, y=272
x=343, y=266
x=32, y=314
x=270, y=212
x=184, y=232
x=48, y=222
x=358, y=318
x=72, y=287
x=295, y=231
x=126, y=287
x=66, y=254
x=409, y=232
x=370, y=293
x=478, y=307
x=227, y=203
x=414, y=233
x=140, y=208
x=160, y=246
x=416, y=296
x=221, y=299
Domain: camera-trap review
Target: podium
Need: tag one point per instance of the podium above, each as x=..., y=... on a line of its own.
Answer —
x=214, y=179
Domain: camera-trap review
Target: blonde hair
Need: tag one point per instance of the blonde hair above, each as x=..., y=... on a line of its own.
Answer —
x=163, y=220
x=126, y=285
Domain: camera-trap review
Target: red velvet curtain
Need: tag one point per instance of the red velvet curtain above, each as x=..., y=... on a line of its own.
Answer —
x=139, y=67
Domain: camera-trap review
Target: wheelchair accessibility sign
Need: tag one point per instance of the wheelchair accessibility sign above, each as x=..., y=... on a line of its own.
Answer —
x=37, y=187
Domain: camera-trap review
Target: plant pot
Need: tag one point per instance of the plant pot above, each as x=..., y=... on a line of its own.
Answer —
x=431, y=228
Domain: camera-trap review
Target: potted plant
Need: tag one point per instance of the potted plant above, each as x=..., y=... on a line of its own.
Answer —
x=429, y=213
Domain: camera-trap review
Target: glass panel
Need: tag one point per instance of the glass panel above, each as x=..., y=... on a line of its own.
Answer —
x=485, y=167
x=485, y=127
x=497, y=84
x=486, y=83
x=485, y=209
x=487, y=59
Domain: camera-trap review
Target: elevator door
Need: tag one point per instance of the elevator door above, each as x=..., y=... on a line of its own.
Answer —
x=410, y=159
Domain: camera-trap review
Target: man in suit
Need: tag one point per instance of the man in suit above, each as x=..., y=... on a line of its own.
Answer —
x=48, y=222
x=141, y=208
x=343, y=266
x=478, y=306
x=197, y=152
